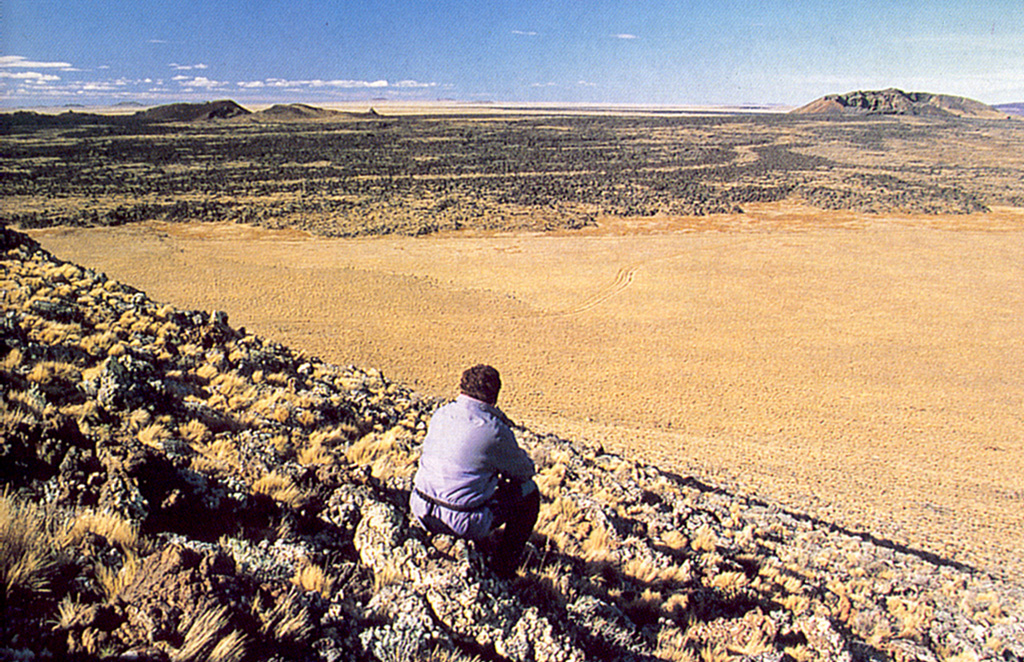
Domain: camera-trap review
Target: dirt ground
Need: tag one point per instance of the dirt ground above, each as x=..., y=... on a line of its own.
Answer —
x=863, y=369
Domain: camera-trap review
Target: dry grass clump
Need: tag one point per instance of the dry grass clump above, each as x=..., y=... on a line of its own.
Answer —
x=113, y=582
x=12, y=360
x=287, y=620
x=392, y=453
x=279, y=488
x=311, y=577
x=154, y=435
x=113, y=528
x=914, y=617
x=563, y=522
x=206, y=637
x=218, y=454
x=50, y=372
x=194, y=432
x=28, y=553
x=675, y=540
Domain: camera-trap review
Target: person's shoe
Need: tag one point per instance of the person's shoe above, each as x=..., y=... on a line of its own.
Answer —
x=502, y=568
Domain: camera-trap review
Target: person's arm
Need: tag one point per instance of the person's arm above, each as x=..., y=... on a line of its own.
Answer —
x=510, y=460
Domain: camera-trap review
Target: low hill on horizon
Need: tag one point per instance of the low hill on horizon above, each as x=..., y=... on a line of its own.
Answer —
x=301, y=112
x=1016, y=108
x=191, y=112
x=892, y=101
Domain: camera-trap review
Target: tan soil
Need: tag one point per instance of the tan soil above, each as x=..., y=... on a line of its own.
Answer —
x=866, y=370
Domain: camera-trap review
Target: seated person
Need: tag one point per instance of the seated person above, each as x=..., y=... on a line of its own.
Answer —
x=473, y=477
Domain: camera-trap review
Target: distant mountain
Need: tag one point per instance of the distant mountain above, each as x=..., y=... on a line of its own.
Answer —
x=1011, y=108
x=892, y=101
x=191, y=112
x=300, y=112
x=24, y=120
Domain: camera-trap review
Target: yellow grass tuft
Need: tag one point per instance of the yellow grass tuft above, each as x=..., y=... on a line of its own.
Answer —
x=231, y=648
x=154, y=435
x=113, y=528
x=98, y=344
x=139, y=419
x=914, y=618
x=12, y=360
x=312, y=577
x=194, y=432
x=279, y=488
x=714, y=653
x=963, y=656
x=47, y=372
x=646, y=573
x=69, y=611
x=673, y=645
x=677, y=604
x=27, y=551
x=205, y=635
x=207, y=371
x=599, y=545
x=396, y=444
x=218, y=454
x=281, y=413
x=675, y=540
x=287, y=621
x=729, y=581
x=315, y=453
x=388, y=575
x=705, y=540
x=550, y=479
x=114, y=582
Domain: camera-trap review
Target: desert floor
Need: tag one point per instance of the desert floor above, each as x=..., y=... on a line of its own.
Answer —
x=862, y=369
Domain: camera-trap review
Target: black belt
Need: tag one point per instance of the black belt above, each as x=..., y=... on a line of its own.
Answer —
x=445, y=504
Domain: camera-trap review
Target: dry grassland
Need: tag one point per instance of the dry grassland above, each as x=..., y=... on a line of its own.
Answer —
x=863, y=369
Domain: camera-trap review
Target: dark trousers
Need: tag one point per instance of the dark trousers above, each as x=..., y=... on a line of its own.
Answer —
x=518, y=512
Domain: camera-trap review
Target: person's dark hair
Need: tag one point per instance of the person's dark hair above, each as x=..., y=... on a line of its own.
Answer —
x=481, y=382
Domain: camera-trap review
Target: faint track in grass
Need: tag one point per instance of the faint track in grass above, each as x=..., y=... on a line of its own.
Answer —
x=623, y=280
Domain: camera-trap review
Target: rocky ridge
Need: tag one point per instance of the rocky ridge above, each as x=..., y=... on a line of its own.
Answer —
x=178, y=489
x=892, y=101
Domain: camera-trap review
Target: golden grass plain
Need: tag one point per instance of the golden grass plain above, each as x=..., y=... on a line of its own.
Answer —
x=864, y=369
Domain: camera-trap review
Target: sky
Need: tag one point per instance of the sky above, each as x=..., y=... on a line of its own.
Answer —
x=646, y=52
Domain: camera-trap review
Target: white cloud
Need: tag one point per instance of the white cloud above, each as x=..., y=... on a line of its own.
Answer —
x=251, y=84
x=30, y=77
x=357, y=83
x=157, y=41
x=99, y=86
x=199, y=81
x=584, y=83
x=525, y=33
x=624, y=35
x=413, y=83
x=19, y=61
x=282, y=83
x=544, y=85
x=187, y=67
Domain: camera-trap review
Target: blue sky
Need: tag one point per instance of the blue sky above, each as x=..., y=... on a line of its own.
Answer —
x=703, y=52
